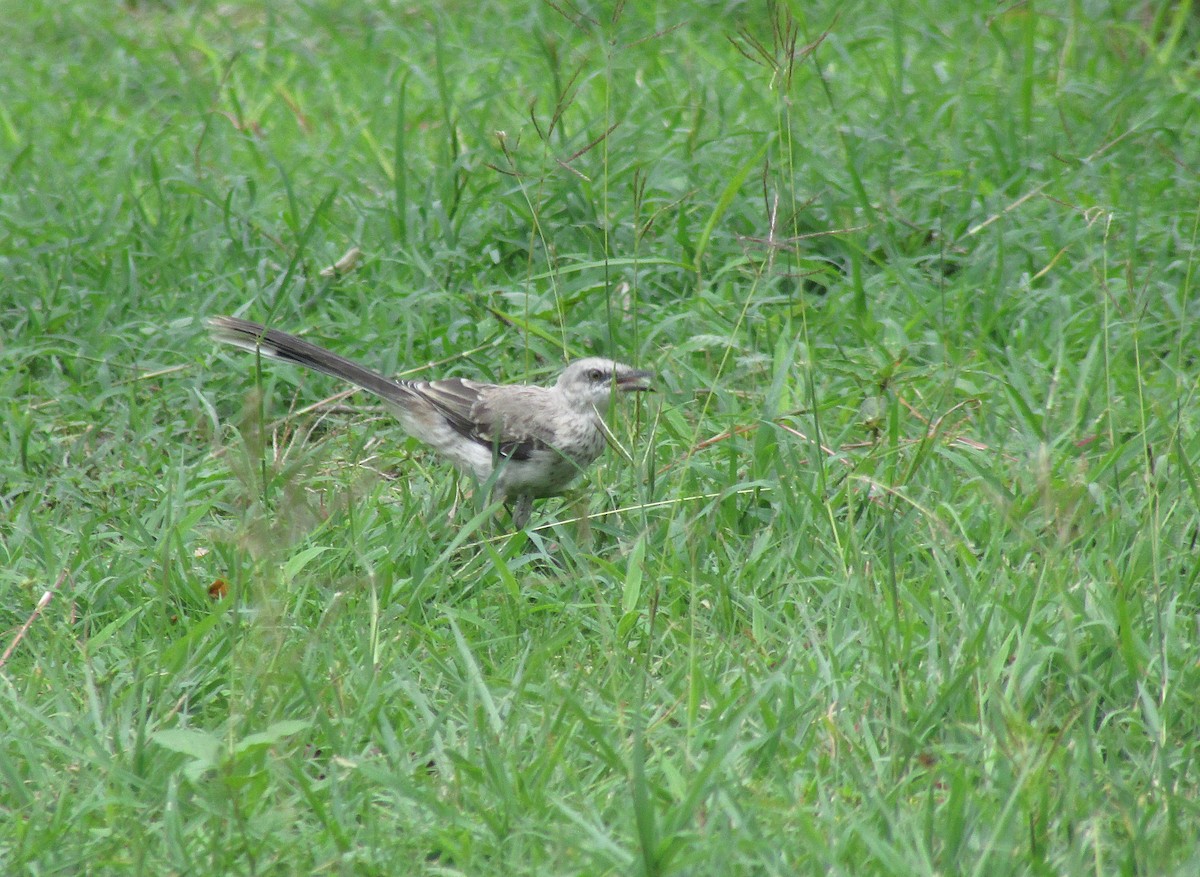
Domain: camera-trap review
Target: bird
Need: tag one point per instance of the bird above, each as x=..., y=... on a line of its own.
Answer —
x=523, y=442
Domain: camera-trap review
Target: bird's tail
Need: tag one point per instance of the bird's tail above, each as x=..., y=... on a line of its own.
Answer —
x=280, y=345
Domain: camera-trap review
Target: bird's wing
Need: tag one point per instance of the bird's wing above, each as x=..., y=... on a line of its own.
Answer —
x=494, y=416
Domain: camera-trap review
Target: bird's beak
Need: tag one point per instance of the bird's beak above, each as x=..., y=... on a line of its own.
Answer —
x=636, y=382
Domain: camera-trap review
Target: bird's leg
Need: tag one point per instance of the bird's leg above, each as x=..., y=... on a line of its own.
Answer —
x=521, y=510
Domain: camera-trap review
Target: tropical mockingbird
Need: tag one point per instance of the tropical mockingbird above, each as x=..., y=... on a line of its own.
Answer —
x=526, y=442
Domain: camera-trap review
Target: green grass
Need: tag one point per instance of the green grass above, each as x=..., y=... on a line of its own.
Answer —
x=900, y=576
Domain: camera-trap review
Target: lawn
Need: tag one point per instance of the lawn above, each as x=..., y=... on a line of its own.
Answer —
x=896, y=574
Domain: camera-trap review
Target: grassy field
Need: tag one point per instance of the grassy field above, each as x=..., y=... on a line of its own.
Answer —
x=896, y=575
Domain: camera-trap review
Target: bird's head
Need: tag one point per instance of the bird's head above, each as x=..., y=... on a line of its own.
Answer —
x=589, y=383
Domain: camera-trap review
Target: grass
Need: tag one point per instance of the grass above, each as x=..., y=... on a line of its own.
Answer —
x=899, y=575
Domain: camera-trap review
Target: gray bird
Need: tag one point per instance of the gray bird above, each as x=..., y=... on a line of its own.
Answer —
x=526, y=442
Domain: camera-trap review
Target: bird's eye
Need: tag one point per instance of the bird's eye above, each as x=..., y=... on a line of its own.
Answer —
x=595, y=375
